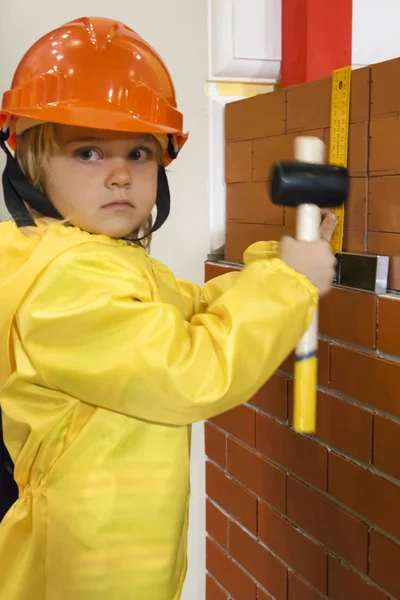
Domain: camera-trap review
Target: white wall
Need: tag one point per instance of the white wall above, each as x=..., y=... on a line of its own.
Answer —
x=178, y=31
x=375, y=31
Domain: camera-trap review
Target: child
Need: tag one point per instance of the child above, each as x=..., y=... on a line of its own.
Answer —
x=106, y=359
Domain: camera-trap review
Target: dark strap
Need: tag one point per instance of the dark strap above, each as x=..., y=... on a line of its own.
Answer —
x=171, y=150
x=8, y=487
x=163, y=201
x=18, y=189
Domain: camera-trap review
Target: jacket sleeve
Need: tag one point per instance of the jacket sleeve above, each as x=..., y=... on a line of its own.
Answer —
x=91, y=330
x=196, y=299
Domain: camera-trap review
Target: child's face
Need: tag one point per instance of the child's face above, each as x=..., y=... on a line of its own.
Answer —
x=104, y=182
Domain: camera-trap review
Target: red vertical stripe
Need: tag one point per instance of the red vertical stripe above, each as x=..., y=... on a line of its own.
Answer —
x=294, y=34
x=316, y=38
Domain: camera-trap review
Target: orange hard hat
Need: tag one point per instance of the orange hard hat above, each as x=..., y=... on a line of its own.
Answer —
x=96, y=72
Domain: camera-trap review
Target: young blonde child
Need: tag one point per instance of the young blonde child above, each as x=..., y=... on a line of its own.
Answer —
x=105, y=358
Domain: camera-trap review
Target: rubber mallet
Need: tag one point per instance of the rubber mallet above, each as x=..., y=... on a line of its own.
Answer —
x=309, y=185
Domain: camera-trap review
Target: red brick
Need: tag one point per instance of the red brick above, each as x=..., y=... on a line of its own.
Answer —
x=298, y=590
x=360, y=95
x=239, y=236
x=215, y=443
x=249, y=203
x=379, y=384
x=384, y=155
x=290, y=216
x=297, y=453
x=345, y=426
x=238, y=161
x=231, y=577
x=294, y=548
x=389, y=314
x=272, y=397
x=308, y=105
x=384, y=562
x=258, y=561
x=365, y=493
x=232, y=497
x=213, y=270
x=387, y=446
x=383, y=206
x=384, y=243
x=336, y=529
x=358, y=149
x=214, y=591
x=348, y=585
x=216, y=524
x=355, y=216
x=323, y=363
x=349, y=316
x=268, y=150
x=240, y=422
x=353, y=241
x=256, y=117
x=257, y=474
x=385, y=91
x=262, y=595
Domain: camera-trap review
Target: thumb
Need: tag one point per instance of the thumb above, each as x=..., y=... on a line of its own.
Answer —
x=328, y=226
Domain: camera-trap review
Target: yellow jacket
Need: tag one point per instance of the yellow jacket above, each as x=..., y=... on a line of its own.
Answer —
x=105, y=361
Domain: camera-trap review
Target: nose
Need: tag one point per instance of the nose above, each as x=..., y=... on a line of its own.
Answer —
x=119, y=175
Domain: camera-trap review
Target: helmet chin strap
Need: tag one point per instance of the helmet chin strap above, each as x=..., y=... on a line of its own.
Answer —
x=19, y=191
x=163, y=200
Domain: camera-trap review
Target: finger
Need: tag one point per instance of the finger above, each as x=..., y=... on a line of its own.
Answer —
x=325, y=212
x=328, y=226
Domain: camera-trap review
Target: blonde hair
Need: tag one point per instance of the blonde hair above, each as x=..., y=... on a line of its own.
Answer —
x=34, y=148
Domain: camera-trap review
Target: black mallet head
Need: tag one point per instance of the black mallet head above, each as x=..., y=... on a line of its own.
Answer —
x=295, y=183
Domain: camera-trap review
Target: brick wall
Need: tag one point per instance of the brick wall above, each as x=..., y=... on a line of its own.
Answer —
x=293, y=517
x=262, y=129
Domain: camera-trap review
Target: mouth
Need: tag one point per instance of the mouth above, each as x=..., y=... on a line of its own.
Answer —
x=119, y=205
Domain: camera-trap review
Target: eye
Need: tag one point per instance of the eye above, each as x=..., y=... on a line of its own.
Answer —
x=87, y=154
x=140, y=154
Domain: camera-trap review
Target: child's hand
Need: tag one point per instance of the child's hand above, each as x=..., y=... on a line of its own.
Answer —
x=328, y=226
x=313, y=259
